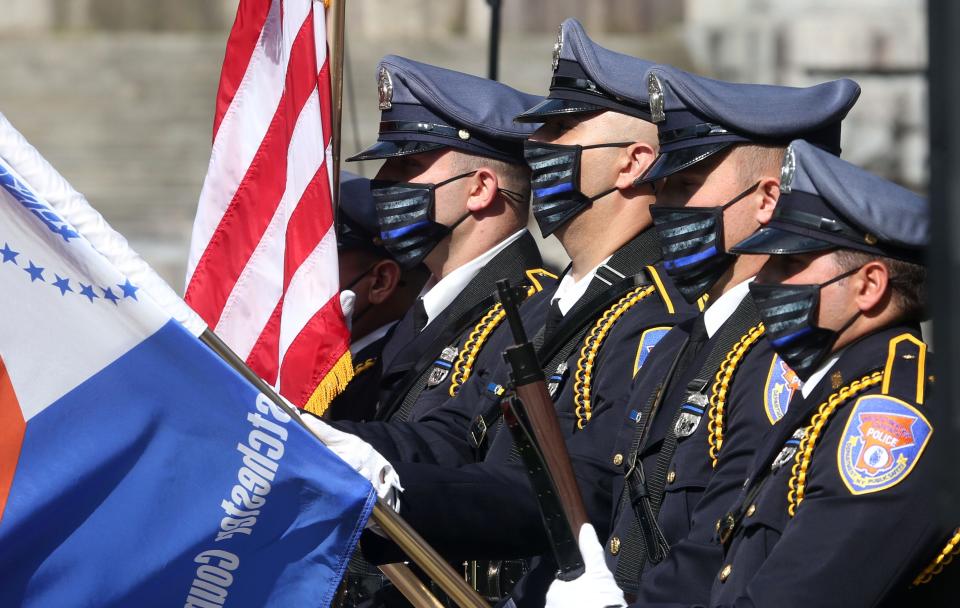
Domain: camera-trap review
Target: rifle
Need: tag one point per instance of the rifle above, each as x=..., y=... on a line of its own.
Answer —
x=530, y=415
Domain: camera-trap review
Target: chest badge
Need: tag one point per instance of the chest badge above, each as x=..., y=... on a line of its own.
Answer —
x=555, y=381
x=441, y=367
x=690, y=414
x=789, y=449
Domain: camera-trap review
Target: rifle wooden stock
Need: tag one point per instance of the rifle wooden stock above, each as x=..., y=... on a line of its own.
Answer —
x=549, y=439
x=537, y=416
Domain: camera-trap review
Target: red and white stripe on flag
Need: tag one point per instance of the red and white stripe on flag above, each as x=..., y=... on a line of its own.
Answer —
x=263, y=256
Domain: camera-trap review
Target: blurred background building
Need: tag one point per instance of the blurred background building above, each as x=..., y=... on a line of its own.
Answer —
x=118, y=94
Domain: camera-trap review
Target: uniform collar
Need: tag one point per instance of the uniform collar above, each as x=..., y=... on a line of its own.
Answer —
x=360, y=344
x=570, y=290
x=436, y=297
x=718, y=312
x=818, y=375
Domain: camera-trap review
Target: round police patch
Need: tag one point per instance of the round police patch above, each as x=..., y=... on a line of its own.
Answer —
x=648, y=340
x=781, y=385
x=882, y=441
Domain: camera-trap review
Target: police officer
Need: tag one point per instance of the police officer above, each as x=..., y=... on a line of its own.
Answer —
x=692, y=420
x=843, y=476
x=612, y=304
x=830, y=513
x=375, y=294
x=452, y=194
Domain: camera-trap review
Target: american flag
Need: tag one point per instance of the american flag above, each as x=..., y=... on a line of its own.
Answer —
x=263, y=258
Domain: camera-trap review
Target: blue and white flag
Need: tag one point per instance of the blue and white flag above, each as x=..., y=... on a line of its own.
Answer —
x=137, y=468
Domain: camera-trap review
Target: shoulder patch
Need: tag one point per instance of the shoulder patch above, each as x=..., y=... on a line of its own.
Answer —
x=881, y=443
x=782, y=383
x=648, y=339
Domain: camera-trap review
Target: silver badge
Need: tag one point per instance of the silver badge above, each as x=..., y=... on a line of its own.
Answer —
x=554, y=384
x=788, y=170
x=688, y=421
x=384, y=89
x=557, y=48
x=441, y=367
x=789, y=450
x=686, y=424
x=655, y=92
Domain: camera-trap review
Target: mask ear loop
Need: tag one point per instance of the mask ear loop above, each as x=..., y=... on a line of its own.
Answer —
x=356, y=279
x=740, y=196
x=619, y=144
x=856, y=315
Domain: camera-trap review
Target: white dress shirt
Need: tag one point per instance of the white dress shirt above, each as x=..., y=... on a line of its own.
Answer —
x=436, y=297
x=718, y=312
x=570, y=290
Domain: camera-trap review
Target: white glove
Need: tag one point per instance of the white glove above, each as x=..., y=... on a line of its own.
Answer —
x=595, y=588
x=361, y=456
x=348, y=300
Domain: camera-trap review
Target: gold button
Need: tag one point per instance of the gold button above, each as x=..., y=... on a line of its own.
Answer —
x=751, y=510
x=617, y=459
x=464, y=134
x=725, y=573
x=671, y=476
x=614, y=545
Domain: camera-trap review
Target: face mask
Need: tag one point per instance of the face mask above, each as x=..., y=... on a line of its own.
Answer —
x=692, y=242
x=789, y=314
x=405, y=214
x=555, y=181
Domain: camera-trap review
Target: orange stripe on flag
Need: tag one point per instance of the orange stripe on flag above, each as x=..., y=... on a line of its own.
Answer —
x=12, y=427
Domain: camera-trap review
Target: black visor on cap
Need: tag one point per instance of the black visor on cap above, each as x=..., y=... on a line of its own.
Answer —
x=553, y=106
x=671, y=162
x=780, y=240
x=390, y=148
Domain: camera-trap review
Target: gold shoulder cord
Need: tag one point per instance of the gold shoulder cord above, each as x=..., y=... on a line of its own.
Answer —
x=718, y=397
x=951, y=550
x=592, y=344
x=463, y=366
x=798, y=474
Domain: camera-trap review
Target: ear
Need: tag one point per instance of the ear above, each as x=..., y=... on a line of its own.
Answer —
x=872, y=285
x=769, y=190
x=386, y=278
x=482, y=189
x=634, y=162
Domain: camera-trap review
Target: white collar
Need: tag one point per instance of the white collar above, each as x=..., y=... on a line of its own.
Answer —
x=718, y=312
x=570, y=290
x=817, y=376
x=436, y=297
x=370, y=338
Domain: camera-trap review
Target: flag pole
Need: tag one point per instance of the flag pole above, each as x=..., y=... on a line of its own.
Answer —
x=336, y=16
x=393, y=526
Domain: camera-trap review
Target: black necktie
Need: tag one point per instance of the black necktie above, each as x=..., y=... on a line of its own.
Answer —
x=419, y=316
x=554, y=316
x=698, y=337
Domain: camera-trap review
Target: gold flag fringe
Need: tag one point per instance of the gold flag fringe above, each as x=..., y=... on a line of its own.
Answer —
x=332, y=385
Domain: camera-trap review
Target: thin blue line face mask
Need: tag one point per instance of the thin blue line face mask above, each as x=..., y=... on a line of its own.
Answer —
x=691, y=239
x=789, y=314
x=555, y=182
x=405, y=214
